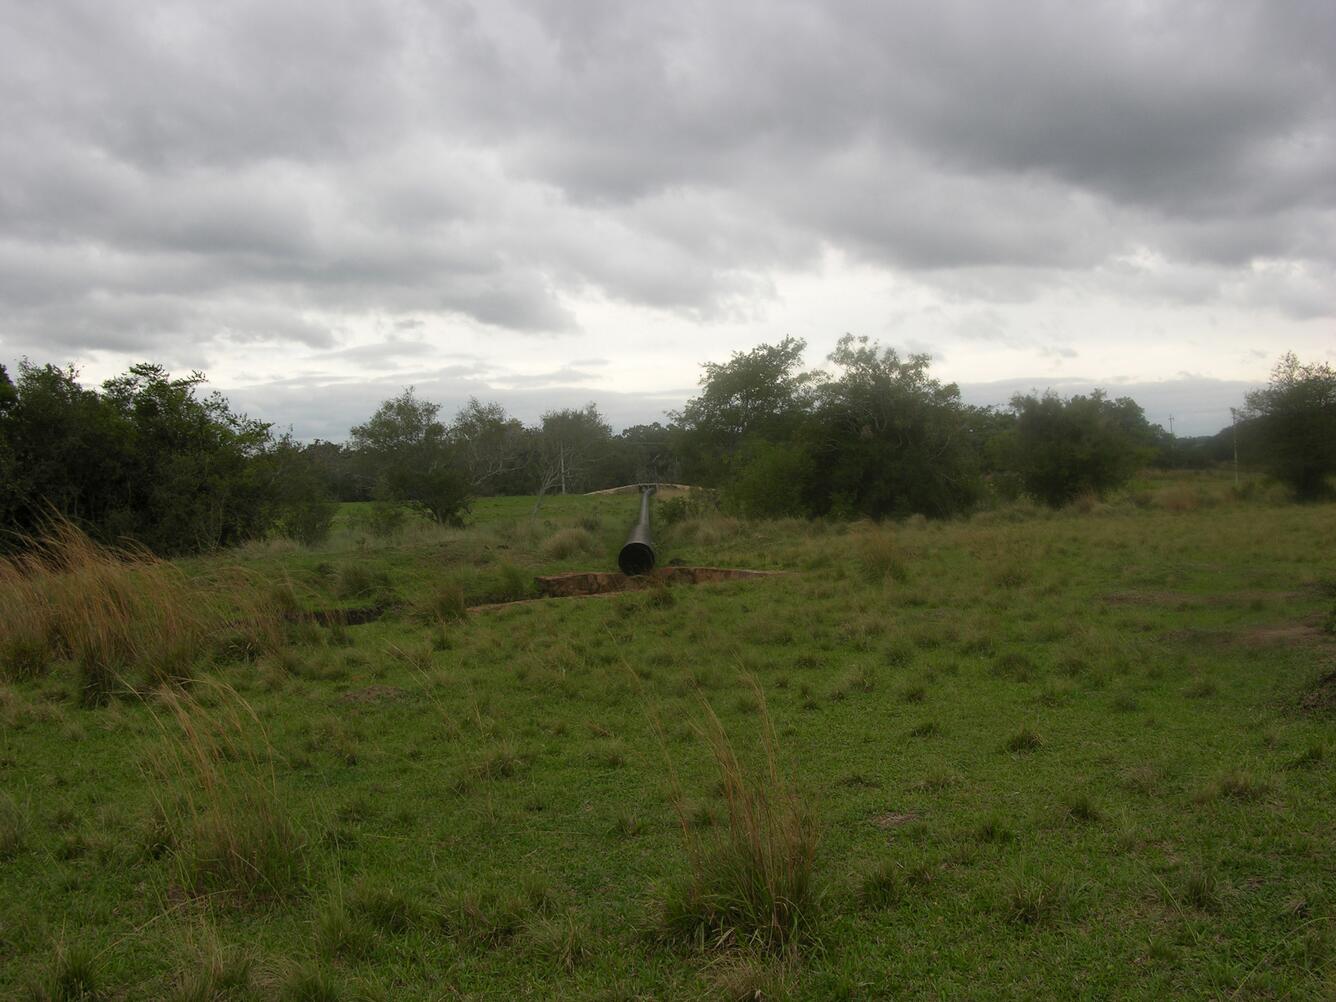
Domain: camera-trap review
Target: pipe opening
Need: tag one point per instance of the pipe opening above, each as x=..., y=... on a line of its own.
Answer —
x=636, y=558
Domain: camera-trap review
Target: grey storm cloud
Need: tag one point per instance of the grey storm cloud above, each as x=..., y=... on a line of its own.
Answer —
x=222, y=173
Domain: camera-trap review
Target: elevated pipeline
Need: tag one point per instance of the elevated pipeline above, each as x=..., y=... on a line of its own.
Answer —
x=637, y=555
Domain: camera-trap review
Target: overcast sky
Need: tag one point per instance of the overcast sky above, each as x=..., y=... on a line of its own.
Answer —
x=552, y=202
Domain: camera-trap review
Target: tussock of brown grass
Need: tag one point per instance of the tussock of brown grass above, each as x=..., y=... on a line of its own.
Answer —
x=566, y=543
x=218, y=802
x=108, y=610
x=711, y=530
x=881, y=557
x=750, y=881
x=122, y=615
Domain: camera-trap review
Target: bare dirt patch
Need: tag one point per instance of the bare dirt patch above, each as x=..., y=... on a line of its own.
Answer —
x=1321, y=698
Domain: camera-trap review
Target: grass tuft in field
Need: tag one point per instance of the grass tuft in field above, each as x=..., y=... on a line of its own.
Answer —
x=74, y=974
x=218, y=802
x=751, y=880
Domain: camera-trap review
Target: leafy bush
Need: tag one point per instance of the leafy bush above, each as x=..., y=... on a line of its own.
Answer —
x=1066, y=448
x=694, y=504
x=1291, y=426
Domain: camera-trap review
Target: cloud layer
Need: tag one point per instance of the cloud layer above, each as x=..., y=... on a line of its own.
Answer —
x=194, y=180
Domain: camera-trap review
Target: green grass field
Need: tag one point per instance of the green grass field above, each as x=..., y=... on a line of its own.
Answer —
x=1076, y=755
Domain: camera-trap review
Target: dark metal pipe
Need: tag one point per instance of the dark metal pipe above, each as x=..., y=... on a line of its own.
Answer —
x=637, y=555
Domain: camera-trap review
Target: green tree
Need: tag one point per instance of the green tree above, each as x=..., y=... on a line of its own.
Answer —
x=1290, y=426
x=761, y=394
x=144, y=458
x=770, y=480
x=191, y=463
x=1085, y=444
x=565, y=448
x=888, y=439
x=409, y=455
x=491, y=446
x=301, y=508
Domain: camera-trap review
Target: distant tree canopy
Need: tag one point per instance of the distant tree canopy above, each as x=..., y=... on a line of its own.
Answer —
x=144, y=458
x=1290, y=426
x=147, y=457
x=881, y=438
x=1062, y=448
x=410, y=458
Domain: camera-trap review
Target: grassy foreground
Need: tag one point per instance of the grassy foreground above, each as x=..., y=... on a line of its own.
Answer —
x=1080, y=755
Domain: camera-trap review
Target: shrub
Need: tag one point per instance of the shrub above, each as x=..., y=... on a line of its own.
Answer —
x=694, y=504
x=1291, y=426
x=382, y=519
x=1066, y=448
x=750, y=880
x=566, y=543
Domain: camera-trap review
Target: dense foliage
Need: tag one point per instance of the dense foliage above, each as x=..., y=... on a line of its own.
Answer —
x=1085, y=445
x=144, y=457
x=1291, y=426
x=147, y=457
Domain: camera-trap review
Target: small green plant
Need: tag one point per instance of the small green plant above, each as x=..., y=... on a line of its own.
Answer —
x=1307, y=758
x=563, y=941
x=1027, y=739
x=627, y=825
x=570, y=542
x=74, y=974
x=914, y=694
x=1201, y=890
x=339, y=935
x=882, y=887
x=1236, y=785
x=309, y=982
x=1079, y=807
x=1031, y=898
x=213, y=972
x=381, y=908
x=217, y=797
x=994, y=830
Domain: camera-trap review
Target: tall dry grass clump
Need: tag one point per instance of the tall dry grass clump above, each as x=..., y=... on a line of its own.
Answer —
x=217, y=803
x=750, y=882
x=109, y=610
x=569, y=542
x=880, y=556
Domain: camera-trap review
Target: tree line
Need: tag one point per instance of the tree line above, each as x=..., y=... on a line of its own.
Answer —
x=152, y=458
